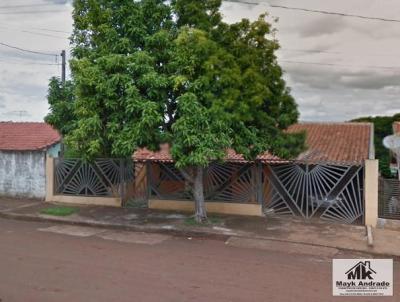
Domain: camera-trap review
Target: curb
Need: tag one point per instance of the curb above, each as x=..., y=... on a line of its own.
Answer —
x=136, y=228
x=174, y=232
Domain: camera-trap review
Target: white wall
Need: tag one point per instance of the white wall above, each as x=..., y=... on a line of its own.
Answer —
x=22, y=174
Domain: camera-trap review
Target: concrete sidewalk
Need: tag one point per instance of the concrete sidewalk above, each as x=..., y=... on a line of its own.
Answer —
x=256, y=231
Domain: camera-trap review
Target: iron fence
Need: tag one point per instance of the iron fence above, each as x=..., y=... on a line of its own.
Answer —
x=101, y=177
x=324, y=191
x=228, y=182
x=389, y=199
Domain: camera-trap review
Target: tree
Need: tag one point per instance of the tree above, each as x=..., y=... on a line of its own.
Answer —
x=61, y=102
x=152, y=71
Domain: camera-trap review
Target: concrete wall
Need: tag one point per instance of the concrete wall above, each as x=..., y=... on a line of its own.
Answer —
x=371, y=182
x=54, y=151
x=22, y=174
x=212, y=207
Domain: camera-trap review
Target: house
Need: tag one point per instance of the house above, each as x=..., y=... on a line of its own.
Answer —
x=325, y=181
x=23, y=150
x=334, y=180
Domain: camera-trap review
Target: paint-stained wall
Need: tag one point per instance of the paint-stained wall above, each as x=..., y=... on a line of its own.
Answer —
x=54, y=151
x=22, y=174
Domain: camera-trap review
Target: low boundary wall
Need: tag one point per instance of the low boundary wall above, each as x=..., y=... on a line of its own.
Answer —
x=212, y=207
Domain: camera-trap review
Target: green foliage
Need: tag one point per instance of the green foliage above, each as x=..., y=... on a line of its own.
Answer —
x=383, y=126
x=152, y=71
x=61, y=100
x=70, y=153
x=199, y=14
x=198, y=135
x=59, y=211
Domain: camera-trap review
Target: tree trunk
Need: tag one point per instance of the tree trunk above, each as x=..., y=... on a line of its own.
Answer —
x=198, y=194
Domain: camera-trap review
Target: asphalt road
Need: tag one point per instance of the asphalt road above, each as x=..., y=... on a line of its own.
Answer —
x=46, y=262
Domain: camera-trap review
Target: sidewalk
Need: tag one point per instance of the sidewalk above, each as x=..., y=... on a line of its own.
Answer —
x=255, y=231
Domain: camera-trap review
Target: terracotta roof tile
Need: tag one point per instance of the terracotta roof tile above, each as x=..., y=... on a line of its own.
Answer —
x=346, y=143
x=163, y=155
x=335, y=142
x=27, y=136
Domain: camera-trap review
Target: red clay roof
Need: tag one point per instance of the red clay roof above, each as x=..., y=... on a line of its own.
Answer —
x=163, y=155
x=396, y=127
x=27, y=136
x=335, y=142
x=346, y=143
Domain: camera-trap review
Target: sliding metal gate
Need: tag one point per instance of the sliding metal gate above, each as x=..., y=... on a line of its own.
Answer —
x=328, y=192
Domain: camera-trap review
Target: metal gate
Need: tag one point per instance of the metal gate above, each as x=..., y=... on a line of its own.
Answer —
x=328, y=192
x=98, y=178
x=389, y=199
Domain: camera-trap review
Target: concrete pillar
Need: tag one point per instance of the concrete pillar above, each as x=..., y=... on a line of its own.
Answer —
x=371, y=180
x=49, y=178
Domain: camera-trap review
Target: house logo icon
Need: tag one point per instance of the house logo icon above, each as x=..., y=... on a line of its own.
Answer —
x=362, y=277
x=361, y=271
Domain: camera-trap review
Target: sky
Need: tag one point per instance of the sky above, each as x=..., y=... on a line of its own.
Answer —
x=338, y=68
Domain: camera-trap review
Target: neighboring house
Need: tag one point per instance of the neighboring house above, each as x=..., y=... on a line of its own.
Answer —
x=395, y=159
x=23, y=150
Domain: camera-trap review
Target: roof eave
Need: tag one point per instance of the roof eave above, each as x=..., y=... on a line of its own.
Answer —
x=41, y=148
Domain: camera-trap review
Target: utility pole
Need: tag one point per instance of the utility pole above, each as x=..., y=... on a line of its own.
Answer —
x=63, y=64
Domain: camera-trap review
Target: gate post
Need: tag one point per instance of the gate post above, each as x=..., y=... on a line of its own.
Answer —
x=371, y=179
x=259, y=183
x=123, y=181
x=49, y=178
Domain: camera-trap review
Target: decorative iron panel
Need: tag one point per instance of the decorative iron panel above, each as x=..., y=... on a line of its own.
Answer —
x=102, y=177
x=389, y=199
x=228, y=182
x=166, y=182
x=330, y=192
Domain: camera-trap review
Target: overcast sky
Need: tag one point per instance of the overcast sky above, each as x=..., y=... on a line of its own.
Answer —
x=359, y=75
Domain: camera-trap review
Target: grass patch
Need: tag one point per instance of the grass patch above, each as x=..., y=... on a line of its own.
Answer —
x=59, y=211
x=131, y=203
x=213, y=220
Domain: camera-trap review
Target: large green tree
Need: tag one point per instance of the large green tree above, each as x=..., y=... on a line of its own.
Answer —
x=152, y=71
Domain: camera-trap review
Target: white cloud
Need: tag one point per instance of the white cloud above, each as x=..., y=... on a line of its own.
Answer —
x=342, y=92
x=23, y=80
x=322, y=92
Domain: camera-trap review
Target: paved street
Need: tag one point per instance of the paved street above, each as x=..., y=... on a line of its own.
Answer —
x=48, y=262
